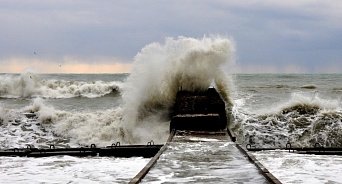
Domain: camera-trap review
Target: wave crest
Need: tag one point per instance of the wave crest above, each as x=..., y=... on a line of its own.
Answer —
x=303, y=121
x=29, y=85
x=309, y=86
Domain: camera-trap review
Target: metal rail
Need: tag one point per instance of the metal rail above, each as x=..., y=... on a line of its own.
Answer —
x=116, y=150
x=317, y=149
x=150, y=164
x=264, y=171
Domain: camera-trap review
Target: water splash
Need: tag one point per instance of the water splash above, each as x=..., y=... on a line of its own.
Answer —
x=160, y=70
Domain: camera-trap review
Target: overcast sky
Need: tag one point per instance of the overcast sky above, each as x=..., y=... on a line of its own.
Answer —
x=87, y=36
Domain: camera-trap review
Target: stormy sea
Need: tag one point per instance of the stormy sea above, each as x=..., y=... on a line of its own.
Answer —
x=74, y=110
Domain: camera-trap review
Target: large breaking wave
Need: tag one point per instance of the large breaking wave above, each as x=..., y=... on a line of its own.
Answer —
x=159, y=71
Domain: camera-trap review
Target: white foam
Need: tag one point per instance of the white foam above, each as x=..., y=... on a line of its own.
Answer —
x=201, y=139
x=29, y=84
x=301, y=168
x=66, y=169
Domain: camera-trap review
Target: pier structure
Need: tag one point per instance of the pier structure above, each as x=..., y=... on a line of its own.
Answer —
x=201, y=148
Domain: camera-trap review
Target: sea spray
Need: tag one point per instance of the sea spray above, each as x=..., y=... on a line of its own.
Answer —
x=160, y=70
x=28, y=83
x=224, y=86
x=13, y=86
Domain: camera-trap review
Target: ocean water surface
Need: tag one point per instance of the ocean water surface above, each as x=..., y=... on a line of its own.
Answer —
x=72, y=110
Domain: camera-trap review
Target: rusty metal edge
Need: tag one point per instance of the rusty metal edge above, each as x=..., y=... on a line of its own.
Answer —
x=137, y=178
x=269, y=176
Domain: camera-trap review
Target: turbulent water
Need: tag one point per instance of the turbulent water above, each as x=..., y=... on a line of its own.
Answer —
x=266, y=110
x=271, y=110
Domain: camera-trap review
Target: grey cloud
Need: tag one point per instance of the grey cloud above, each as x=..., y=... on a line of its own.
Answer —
x=265, y=32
